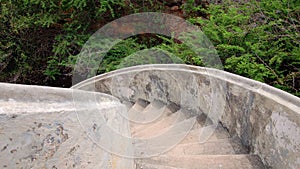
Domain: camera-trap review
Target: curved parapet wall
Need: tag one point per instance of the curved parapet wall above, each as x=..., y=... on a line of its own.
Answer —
x=40, y=128
x=266, y=119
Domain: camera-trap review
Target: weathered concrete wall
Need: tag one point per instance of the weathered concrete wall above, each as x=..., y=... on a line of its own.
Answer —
x=43, y=127
x=266, y=119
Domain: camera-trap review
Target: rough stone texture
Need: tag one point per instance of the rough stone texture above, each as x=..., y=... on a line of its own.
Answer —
x=159, y=150
x=266, y=119
x=40, y=128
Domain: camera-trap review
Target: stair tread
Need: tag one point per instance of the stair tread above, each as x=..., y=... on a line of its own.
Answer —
x=136, y=108
x=205, y=161
x=146, y=115
x=140, y=104
x=166, y=121
x=168, y=140
x=173, y=141
x=177, y=125
x=218, y=147
x=137, y=127
x=218, y=133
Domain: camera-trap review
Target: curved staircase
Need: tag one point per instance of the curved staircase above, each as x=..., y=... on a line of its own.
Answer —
x=150, y=117
x=161, y=122
x=182, y=116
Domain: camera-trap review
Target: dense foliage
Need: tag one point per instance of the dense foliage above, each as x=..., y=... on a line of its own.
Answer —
x=40, y=39
x=258, y=39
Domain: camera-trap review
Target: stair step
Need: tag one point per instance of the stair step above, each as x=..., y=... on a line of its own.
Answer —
x=168, y=120
x=194, y=135
x=138, y=107
x=154, y=147
x=168, y=140
x=218, y=147
x=140, y=104
x=205, y=161
x=137, y=127
x=165, y=138
x=149, y=114
x=161, y=141
x=170, y=109
x=171, y=125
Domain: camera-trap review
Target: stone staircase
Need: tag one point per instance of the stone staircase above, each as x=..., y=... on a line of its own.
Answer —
x=150, y=117
x=159, y=124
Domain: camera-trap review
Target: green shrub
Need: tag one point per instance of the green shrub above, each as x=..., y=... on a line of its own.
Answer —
x=40, y=39
x=257, y=39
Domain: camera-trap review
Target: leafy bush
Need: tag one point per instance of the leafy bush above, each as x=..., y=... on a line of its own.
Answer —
x=40, y=39
x=257, y=39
